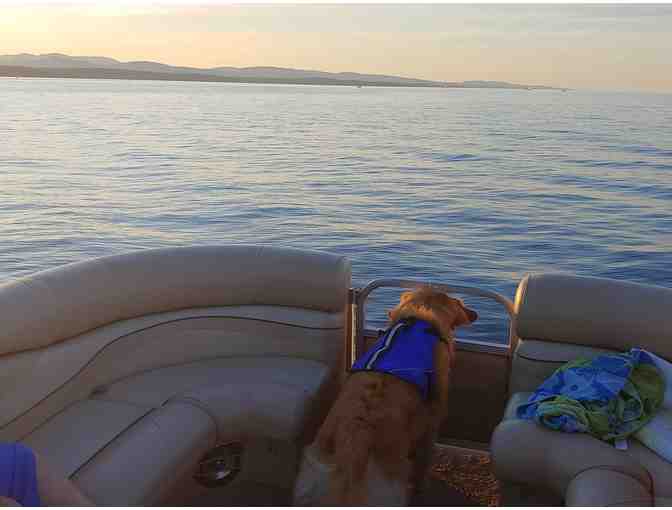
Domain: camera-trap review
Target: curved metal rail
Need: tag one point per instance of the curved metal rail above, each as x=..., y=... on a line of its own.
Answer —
x=361, y=296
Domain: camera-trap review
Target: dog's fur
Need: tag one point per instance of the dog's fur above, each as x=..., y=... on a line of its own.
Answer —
x=378, y=435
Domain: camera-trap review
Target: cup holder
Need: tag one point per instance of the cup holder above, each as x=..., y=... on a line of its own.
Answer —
x=220, y=465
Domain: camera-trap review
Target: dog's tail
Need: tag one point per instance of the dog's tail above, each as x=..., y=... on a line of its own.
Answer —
x=352, y=461
x=354, y=447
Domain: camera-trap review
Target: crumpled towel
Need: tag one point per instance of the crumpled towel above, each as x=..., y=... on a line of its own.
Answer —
x=610, y=396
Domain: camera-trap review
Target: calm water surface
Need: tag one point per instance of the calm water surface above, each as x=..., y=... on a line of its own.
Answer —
x=473, y=187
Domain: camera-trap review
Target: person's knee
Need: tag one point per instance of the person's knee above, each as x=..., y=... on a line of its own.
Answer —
x=56, y=489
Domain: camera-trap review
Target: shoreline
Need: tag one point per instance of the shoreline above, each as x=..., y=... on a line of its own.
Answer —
x=116, y=74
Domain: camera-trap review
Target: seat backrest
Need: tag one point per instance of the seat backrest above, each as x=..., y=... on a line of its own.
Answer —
x=562, y=317
x=597, y=312
x=64, y=332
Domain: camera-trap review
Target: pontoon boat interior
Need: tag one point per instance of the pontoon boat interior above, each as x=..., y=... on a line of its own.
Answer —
x=196, y=375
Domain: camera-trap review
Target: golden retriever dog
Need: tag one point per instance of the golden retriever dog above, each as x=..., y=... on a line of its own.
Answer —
x=375, y=444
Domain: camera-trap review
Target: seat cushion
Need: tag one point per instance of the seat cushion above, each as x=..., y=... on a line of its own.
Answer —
x=535, y=360
x=526, y=453
x=75, y=435
x=605, y=487
x=556, y=352
x=246, y=410
x=659, y=468
x=267, y=396
x=133, y=442
x=155, y=387
x=150, y=460
x=125, y=454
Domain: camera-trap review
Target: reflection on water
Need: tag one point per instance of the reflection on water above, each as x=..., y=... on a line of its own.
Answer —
x=474, y=187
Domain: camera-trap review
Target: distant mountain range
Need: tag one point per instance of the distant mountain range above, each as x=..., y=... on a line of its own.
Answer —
x=56, y=65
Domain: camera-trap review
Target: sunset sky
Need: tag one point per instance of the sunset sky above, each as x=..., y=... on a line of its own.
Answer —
x=604, y=47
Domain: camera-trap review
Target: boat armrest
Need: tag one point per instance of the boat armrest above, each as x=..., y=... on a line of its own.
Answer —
x=525, y=453
x=601, y=487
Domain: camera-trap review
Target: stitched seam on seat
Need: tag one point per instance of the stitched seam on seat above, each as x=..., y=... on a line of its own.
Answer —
x=540, y=360
x=170, y=321
x=72, y=404
x=623, y=471
x=110, y=442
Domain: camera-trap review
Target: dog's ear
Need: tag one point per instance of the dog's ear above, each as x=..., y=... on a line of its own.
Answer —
x=471, y=315
x=404, y=300
x=463, y=315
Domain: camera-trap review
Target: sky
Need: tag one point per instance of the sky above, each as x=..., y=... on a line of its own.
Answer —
x=585, y=46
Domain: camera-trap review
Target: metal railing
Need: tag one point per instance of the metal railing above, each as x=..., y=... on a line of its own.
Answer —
x=360, y=296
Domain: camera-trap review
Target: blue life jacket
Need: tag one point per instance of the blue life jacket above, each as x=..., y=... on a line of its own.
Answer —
x=406, y=351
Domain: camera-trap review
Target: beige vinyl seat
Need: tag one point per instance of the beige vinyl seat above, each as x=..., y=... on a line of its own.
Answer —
x=561, y=318
x=124, y=371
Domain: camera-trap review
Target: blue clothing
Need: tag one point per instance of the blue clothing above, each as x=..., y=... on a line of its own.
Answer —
x=610, y=396
x=406, y=351
x=18, y=474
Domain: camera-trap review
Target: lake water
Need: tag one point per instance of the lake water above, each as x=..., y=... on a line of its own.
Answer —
x=473, y=187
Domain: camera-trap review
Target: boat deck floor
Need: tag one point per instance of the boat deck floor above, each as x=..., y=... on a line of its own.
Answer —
x=460, y=477
x=463, y=476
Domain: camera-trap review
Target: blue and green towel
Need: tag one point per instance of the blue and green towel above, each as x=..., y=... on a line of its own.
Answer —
x=610, y=396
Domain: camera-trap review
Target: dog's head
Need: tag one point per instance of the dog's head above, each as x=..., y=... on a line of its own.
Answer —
x=445, y=313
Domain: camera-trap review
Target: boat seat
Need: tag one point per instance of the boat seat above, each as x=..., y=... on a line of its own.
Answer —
x=125, y=372
x=119, y=459
x=163, y=422
x=560, y=318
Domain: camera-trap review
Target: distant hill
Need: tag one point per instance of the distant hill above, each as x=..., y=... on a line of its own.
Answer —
x=57, y=65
